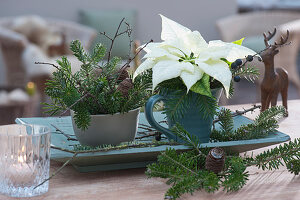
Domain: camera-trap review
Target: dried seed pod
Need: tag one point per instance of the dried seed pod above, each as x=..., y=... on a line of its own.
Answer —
x=125, y=86
x=215, y=160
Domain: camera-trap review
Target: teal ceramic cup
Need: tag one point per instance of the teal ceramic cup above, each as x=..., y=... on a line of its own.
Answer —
x=193, y=120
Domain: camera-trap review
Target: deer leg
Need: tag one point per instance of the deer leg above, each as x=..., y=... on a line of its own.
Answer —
x=268, y=100
x=264, y=100
x=284, y=95
x=274, y=98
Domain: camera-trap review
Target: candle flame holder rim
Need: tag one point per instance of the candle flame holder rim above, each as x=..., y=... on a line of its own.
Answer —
x=45, y=130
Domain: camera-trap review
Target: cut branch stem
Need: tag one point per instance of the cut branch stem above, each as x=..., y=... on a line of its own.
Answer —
x=62, y=132
x=57, y=171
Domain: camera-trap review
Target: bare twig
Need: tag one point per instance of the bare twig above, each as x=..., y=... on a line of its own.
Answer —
x=57, y=171
x=71, y=106
x=62, y=149
x=126, y=31
x=130, y=48
x=145, y=125
x=130, y=40
x=140, y=145
x=45, y=63
x=147, y=129
x=57, y=67
x=237, y=112
x=105, y=35
x=113, y=40
x=62, y=132
x=148, y=135
x=117, y=34
x=131, y=59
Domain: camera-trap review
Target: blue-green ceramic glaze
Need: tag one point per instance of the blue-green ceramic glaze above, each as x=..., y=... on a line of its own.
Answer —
x=193, y=120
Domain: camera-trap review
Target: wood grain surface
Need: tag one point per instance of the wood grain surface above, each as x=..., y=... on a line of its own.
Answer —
x=133, y=184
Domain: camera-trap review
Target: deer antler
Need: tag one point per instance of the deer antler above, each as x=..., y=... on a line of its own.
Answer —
x=267, y=38
x=282, y=39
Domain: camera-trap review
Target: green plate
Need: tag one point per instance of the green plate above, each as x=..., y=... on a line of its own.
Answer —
x=135, y=157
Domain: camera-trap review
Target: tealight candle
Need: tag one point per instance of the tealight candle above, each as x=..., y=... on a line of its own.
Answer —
x=21, y=172
x=24, y=159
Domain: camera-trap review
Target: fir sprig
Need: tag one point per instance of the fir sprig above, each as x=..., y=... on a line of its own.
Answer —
x=264, y=124
x=250, y=73
x=288, y=154
x=179, y=102
x=186, y=173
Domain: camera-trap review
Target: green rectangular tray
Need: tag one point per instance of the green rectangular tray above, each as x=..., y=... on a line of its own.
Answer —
x=135, y=157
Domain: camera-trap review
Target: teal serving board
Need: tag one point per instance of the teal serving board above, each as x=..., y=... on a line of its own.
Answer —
x=135, y=157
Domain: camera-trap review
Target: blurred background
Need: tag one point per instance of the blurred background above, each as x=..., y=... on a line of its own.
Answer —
x=35, y=30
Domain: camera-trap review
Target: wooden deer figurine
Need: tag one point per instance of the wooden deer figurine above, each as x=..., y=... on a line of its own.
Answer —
x=275, y=81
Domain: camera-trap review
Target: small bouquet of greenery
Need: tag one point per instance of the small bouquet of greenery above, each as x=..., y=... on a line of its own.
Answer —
x=99, y=87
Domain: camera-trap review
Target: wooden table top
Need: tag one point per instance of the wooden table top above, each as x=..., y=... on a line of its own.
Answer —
x=133, y=184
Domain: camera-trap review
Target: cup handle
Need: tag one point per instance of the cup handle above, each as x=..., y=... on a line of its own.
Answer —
x=150, y=118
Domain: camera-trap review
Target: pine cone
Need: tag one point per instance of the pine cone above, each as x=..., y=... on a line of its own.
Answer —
x=125, y=86
x=215, y=160
x=123, y=73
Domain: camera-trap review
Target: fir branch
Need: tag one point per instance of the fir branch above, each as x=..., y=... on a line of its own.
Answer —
x=185, y=171
x=179, y=102
x=207, y=106
x=190, y=184
x=235, y=176
x=105, y=148
x=76, y=102
x=293, y=166
x=178, y=164
x=186, y=174
x=265, y=123
x=275, y=112
x=244, y=111
x=271, y=159
x=190, y=140
x=226, y=121
x=250, y=73
x=72, y=80
x=177, y=105
x=78, y=51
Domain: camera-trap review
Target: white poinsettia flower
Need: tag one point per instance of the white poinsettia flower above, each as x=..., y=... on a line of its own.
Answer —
x=184, y=53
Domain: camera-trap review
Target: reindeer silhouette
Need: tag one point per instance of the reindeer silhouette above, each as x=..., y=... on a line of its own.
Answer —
x=275, y=81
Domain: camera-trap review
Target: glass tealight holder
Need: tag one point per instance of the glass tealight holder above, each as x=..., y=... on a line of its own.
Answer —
x=24, y=160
